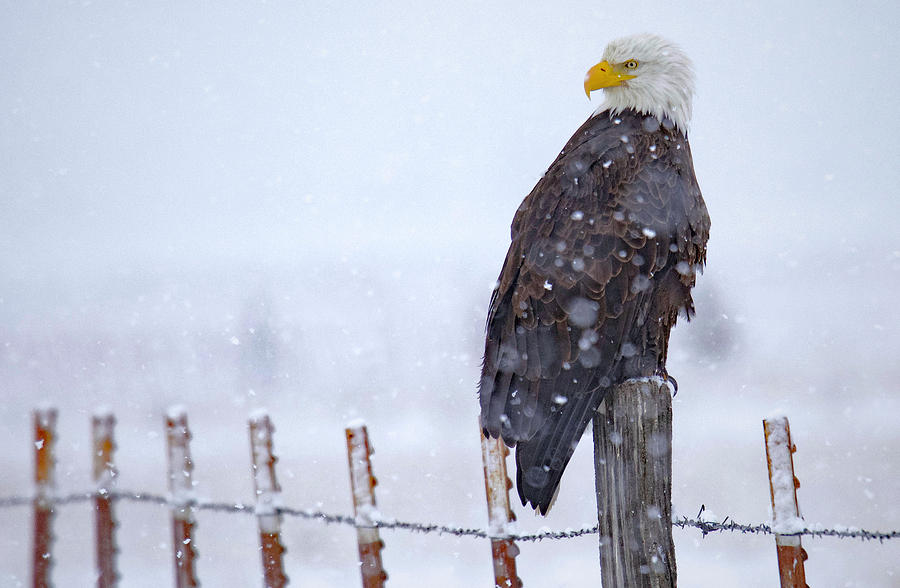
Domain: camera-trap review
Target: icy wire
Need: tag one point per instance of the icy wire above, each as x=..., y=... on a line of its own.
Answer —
x=705, y=527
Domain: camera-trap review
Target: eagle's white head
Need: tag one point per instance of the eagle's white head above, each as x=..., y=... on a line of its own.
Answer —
x=646, y=73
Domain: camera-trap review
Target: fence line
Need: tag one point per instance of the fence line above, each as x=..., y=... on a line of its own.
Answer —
x=182, y=503
x=704, y=526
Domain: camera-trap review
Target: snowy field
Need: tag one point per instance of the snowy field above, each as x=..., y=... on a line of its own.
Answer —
x=304, y=209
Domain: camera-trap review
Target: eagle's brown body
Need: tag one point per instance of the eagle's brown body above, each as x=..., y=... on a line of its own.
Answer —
x=603, y=257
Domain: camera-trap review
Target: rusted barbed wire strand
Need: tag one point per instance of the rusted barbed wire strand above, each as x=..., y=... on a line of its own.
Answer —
x=705, y=527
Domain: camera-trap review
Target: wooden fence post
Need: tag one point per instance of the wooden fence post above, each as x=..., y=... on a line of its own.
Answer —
x=268, y=499
x=181, y=488
x=633, y=471
x=363, y=483
x=102, y=426
x=500, y=516
x=44, y=490
x=783, y=486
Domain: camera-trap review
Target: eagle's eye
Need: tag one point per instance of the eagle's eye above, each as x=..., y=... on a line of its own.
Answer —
x=631, y=64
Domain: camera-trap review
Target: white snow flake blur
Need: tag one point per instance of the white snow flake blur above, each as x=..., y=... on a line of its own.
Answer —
x=302, y=207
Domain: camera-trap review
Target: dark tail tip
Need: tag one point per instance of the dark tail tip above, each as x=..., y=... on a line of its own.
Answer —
x=537, y=484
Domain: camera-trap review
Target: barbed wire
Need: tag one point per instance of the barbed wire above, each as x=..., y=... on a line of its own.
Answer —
x=705, y=526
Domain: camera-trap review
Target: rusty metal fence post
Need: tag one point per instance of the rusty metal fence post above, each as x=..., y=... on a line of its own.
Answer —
x=783, y=486
x=102, y=425
x=500, y=516
x=268, y=499
x=181, y=488
x=44, y=490
x=363, y=483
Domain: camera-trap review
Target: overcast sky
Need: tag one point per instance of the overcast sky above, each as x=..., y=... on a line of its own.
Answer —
x=172, y=133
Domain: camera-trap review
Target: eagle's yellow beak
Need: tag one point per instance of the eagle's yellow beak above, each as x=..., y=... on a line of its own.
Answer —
x=604, y=75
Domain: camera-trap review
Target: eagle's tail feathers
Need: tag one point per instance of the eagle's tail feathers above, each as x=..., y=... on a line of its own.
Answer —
x=542, y=459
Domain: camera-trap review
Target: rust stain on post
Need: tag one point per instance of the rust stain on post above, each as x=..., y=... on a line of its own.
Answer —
x=362, y=484
x=185, y=553
x=44, y=440
x=45, y=485
x=272, y=551
x=783, y=486
x=181, y=487
x=500, y=516
x=268, y=498
x=102, y=425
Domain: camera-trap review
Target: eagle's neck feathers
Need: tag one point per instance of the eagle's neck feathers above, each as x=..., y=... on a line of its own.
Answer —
x=664, y=81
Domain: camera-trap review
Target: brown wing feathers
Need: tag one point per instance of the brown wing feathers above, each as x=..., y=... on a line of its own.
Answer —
x=589, y=288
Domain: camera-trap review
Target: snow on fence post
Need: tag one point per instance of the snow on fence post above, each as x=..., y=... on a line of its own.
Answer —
x=103, y=423
x=633, y=472
x=500, y=516
x=181, y=488
x=783, y=486
x=268, y=499
x=363, y=483
x=44, y=490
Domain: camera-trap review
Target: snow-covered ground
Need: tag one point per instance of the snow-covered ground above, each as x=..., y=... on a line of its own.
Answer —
x=304, y=209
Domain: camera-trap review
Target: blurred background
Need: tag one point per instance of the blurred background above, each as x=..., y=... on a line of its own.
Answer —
x=303, y=207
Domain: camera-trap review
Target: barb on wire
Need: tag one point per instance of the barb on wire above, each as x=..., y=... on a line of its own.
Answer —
x=706, y=527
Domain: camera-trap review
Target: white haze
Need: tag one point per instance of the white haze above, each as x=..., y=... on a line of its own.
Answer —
x=303, y=206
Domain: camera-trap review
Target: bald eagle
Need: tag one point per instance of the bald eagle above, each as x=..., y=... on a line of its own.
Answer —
x=604, y=253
